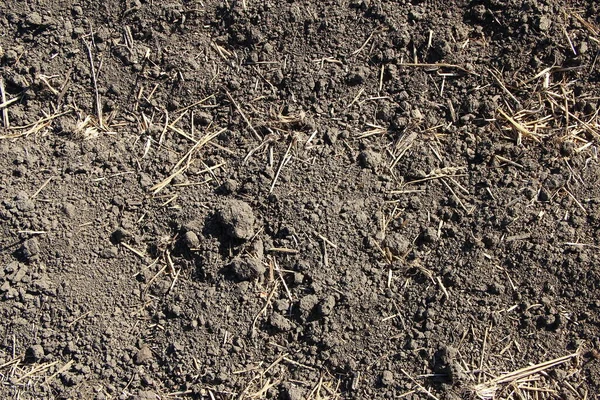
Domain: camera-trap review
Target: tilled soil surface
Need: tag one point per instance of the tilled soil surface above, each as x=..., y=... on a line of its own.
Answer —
x=349, y=199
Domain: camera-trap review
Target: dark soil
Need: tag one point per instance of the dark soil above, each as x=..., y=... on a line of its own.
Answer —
x=299, y=199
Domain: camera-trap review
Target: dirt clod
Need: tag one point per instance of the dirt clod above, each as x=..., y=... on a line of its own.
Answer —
x=35, y=353
x=203, y=118
x=109, y=252
x=429, y=235
x=70, y=210
x=281, y=323
x=387, y=378
x=143, y=355
x=34, y=19
x=447, y=365
x=307, y=303
x=30, y=249
x=246, y=269
x=190, y=240
x=544, y=23
x=23, y=202
x=146, y=395
x=120, y=235
x=369, y=159
x=397, y=243
x=237, y=218
x=292, y=392
x=20, y=274
x=326, y=306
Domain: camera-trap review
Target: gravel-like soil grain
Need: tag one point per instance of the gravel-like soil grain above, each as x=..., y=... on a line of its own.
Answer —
x=350, y=199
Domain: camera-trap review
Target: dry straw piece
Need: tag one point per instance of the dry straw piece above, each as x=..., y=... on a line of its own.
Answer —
x=520, y=380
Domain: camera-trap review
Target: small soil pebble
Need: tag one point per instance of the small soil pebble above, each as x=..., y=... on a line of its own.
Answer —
x=308, y=302
x=23, y=202
x=282, y=305
x=34, y=353
x=203, y=118
x=358, y=76
x=326, y=306
x=190, y=240
x=70, y=210
x=332, y=135
x=387, y=378
x=292, y=392
x=109, y=252
x=544, y=23
x=20, y=274
x=446, y=364
x=229, y=187
x=397, y=243
x=238, y=219
x=143, y=355
x=120, y=235
x=175, y=311
x=281, y=323
x=369, y=159
x=30, y=249
x=246, y=269
x=145, y=395
x=34, y=19
x=429, y=235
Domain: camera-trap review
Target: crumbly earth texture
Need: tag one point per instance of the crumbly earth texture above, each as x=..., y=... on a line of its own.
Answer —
x=352, y=199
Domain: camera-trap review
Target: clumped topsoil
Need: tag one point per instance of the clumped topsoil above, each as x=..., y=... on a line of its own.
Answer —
x=299, y=199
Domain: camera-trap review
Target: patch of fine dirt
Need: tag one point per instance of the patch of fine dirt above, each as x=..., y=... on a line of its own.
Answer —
x=351, y=199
